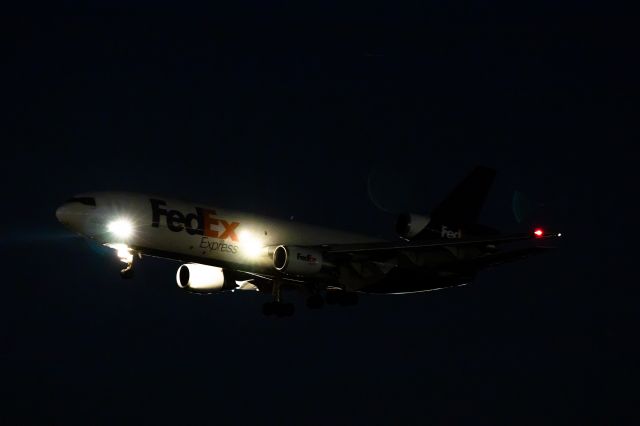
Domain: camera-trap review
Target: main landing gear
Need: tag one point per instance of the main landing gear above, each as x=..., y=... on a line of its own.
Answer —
x=277, y=307
x=315, y=301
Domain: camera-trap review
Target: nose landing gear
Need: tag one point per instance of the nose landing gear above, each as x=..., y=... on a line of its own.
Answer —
x=126, y=255
x=127, y=273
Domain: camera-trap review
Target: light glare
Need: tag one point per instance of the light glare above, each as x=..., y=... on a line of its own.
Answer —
x=121, y=228
x=251, y=246
x=122, y=251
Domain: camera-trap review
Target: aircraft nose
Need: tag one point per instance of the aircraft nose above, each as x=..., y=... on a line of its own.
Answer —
x=75, y=212
x=62, y=214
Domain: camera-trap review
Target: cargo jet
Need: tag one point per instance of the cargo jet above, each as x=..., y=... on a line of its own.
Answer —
x=223, y=250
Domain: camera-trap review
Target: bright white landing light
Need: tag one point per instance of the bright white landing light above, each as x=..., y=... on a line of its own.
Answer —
x=121, y=228
x=250, y=245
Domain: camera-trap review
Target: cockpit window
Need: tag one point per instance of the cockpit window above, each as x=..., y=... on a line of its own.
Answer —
x=87, y=201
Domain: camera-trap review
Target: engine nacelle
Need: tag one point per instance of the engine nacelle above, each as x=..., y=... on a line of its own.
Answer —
x=203, y=278
x=297, y=260
x=409, y=225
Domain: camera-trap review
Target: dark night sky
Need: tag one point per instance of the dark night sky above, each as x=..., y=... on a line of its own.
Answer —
x=290, y=110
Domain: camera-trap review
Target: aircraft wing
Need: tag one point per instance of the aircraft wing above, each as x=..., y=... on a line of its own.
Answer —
x=419, y=245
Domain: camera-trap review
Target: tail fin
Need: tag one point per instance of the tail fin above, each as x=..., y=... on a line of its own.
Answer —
x=458, y=213
x=463, y=205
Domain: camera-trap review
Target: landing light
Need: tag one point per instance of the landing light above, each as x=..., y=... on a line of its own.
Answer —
x=121, y=228
x=250, y=245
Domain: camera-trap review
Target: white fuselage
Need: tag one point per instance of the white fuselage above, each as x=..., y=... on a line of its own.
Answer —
x=192, y=232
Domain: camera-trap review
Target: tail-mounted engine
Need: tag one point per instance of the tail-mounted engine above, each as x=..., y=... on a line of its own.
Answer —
x=409, y=225
x=203, y=278
x=297, y=260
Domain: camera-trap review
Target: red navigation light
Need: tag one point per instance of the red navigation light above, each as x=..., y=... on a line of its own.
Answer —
x=538, y=232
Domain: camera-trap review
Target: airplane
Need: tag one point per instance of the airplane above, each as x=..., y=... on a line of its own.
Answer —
x=224, y=251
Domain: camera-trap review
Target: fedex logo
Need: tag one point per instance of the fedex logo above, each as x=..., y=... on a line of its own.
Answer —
x=306, y=258
x=202, y=222
x=448, y=233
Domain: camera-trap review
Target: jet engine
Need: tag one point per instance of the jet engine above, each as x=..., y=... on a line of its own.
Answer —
x=297, y=260
x=203, y=278
x=409, y=225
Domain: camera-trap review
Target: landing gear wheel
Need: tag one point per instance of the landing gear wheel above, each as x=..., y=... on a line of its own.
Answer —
x=315, y=301
x=127, y=273
x=277, y=307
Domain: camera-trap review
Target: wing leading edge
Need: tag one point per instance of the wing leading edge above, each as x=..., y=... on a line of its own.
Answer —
x=417, y=245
